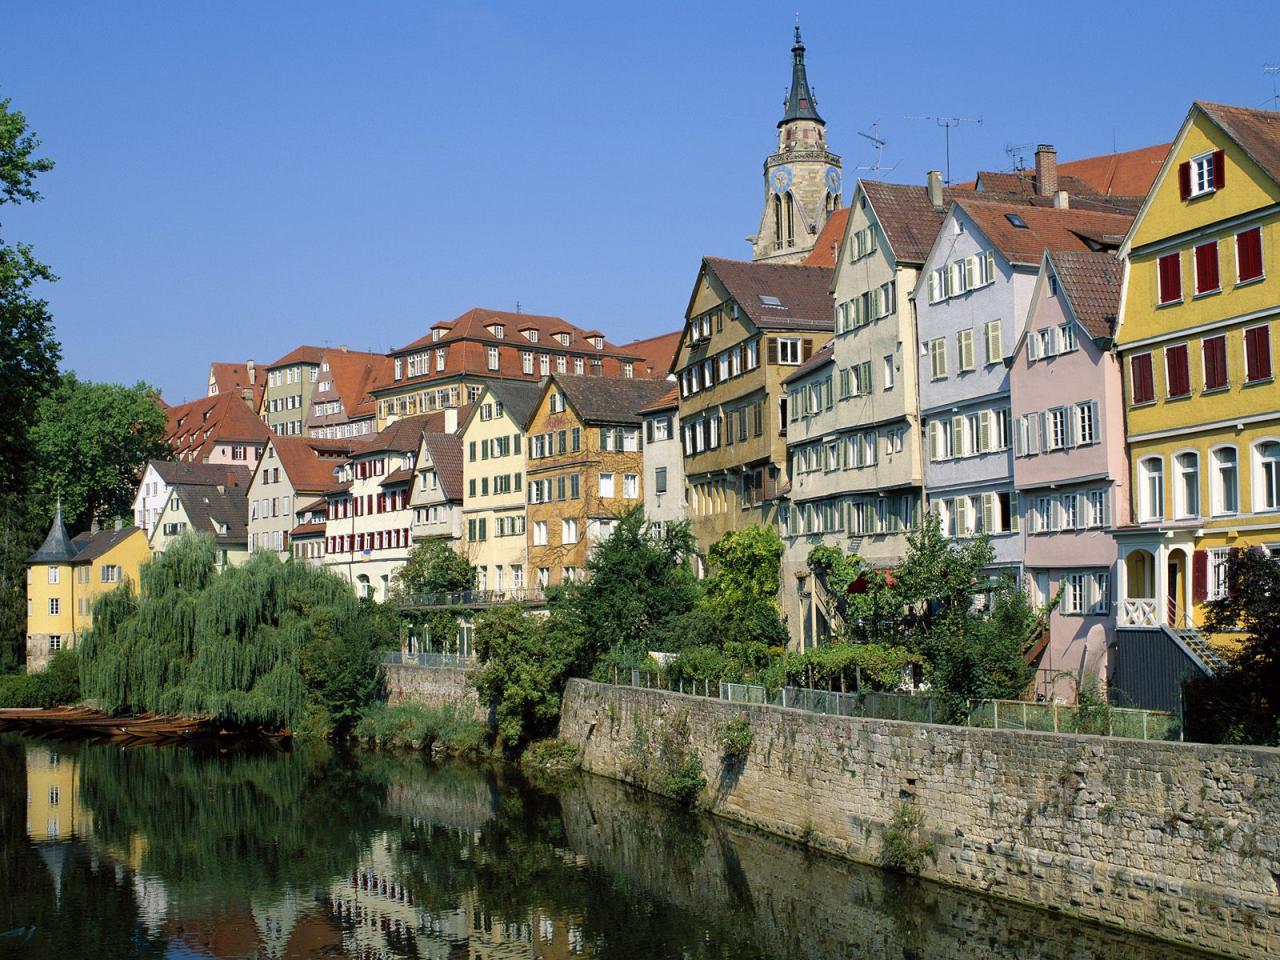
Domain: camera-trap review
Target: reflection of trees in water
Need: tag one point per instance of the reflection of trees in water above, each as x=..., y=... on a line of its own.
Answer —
x=239, y=824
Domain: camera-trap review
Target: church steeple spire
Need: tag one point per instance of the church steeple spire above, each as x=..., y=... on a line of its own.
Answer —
x=801, y=104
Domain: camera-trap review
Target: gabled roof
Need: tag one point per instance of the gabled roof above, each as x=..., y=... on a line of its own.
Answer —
x=609, y=399
x=57, y=546
x=668, y=401
x=909, y=222
x=302, y=354
x=1129, y=173
x=402, y=435
x=519, y=399
x=1047, y=228
x=193, y=427
x=657, y=353
x=308, y=461
x=234, y=378
x=821, y=357
x=445, y=451
x=200, y=474
x=355, y=375
x=801, y=291
x=1091, y=283
x=103, y=542
x=826, y=249
x=210, y=507
x=1257, y=132
x=475, y=324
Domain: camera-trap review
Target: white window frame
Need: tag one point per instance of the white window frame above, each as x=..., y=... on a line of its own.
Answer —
x=1182, y=508
x=606, y=485
x=1265, y=471
x=1151, y=488
x=790, y=350
x=1202, y=175
x=1217, y=490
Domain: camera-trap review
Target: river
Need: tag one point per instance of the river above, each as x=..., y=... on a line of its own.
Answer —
x=182, y=853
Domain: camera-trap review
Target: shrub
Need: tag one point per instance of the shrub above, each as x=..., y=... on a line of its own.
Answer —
x=552, y=754
x=453, y=727
x=735, y=741
x=684, y=781
x=901, y=848
x=57, y=685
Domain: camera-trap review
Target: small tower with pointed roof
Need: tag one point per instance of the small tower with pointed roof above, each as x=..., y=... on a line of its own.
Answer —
x=802, y=180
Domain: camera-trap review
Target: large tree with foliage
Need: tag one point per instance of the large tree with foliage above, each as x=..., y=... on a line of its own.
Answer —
x=1242, y=703
x=432, y=567
x=268, y=644
x=90, y=441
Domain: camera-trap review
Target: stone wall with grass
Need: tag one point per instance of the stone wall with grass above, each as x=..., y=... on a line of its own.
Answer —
x=431, y=686
x=1180, y=841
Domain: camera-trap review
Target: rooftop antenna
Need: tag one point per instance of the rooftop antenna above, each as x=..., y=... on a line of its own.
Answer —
x=1015, y=151
x=518, y=310
x=1274, y=70
x=947, y=123
x=874, y=137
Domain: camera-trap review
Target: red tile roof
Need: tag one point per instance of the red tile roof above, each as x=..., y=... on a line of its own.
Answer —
x=1126, y=174
x=234, y=378
x=658, y=353
x=355, y=375
x=668, y=401
x=803, y=292
x=309, y=462
x=1256, y=131
x=1091, y=283
x=397, y=476
x=445, y=451
x=307, y=530
x=194, y=427
x=1047, y=228
x=826, y=250
x=302, y=354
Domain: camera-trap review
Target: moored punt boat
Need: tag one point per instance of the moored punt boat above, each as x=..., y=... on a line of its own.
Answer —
x=143, y=727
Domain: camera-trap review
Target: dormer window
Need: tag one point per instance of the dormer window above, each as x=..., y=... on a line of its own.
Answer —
x=598, y=342
x=564, y=338
x=531, y=335
x=436, y=334
x=498, y=330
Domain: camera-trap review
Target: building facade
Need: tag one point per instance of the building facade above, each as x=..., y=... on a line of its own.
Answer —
x=220, y=511
x=1196, y=340
x=159, y=477
x=292, y=471
x=436, y=494
x=342, y=405
x=663, y=461
x=585, y=468
x=291, y=381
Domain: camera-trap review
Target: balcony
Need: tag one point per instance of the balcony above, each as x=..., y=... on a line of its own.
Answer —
x=1139, y=612
x=474, y=599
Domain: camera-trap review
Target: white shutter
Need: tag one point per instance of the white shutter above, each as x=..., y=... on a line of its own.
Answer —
x=933, y=286
x=989, y=524
x=957, y=436
x=990, y=262
x=970, y=272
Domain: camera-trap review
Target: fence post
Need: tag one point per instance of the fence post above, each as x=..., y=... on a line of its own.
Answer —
x=1024, y=714
x=1055, y=718
x=635, y=678
x=995, y=714
x=1144, y=724
x=930, y=702
x=784, y=696
x=899, y=699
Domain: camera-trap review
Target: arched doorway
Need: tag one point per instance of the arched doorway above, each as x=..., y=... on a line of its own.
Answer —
x=1176, y=605
x=1139, y=605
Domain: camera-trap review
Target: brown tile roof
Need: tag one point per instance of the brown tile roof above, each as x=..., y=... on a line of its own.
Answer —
x=207, y=507
x=398, y=476
x=658, y=353
x=1256, y=131
x=821, y=357
x=668, y=401
x=1129, y=173
x=302, y=354
x=1091, y=283
x=234, y=378
x=201, y=474
x=445, y=450
x=104, y=540
x=404, y=434
x=610, y=399
x=193, y=427
x=355, y=375
x=475, y=323
x=1047, y=228
x=307, y=530
x=826, y=249
x=804, y=292
x=309, y=462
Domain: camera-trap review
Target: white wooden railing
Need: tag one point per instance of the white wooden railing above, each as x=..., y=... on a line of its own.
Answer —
x=1139, y=612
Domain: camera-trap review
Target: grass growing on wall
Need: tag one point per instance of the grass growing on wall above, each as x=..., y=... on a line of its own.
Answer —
x=451, y=727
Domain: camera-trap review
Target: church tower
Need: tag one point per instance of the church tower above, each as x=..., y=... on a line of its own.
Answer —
x=801, y=180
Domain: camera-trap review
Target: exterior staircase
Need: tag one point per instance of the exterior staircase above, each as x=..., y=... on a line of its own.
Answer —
x=1200, y=648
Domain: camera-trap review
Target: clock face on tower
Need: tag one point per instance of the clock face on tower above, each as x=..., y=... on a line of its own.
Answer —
x=780, y=180
x=832, y=178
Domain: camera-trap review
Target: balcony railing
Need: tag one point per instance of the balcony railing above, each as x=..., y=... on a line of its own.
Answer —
x=475, y=598
x=428, y=659
x=1139, y=612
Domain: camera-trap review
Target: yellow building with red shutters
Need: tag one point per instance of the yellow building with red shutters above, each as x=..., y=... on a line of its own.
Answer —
x=1197, y=338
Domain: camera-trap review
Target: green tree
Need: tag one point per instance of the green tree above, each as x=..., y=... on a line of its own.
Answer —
x=91, y=441
x=1242, y=703
x=432, y=567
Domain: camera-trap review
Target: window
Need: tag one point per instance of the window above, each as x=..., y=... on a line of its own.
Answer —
x=1073, y=593
x=938, y=358
x=789, y=350
x=110, y=573
x=995, y=348
x=55, y=606
x=631, y=485
x=964, y=349
x=1257, y=354
x=1057, y=423
x=1177, y=371
x=544, y=577
x=1215, y=362
x=606, y=485
x=1100, y=594
x=1169, y=273
x=440, y=352
x=753, y=354
x=544, y=364
x=1217, y=586
x=53, y=574
x=577, y=366
x=888, y=373
x=1186, y=491
x=1151, y=489
x=1248, y=255
x=660, y=480
x=1206, y=264
x=540, y=533
x=569, y=531
x=1142, y=379
x=1066, y=338
x=1086, y=423
x=1224, y=481
x=1204, y=174
x=1266, y=482
x=556, y=402
x=526, y=362
x=55, y=644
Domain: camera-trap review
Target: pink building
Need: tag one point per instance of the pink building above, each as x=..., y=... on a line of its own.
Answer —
x=1070, y=468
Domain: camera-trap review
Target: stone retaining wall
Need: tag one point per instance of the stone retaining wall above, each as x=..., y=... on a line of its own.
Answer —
x=1180, y=841
x=430, y=686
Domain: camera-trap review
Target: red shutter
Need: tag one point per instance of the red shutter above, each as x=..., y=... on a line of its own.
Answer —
x=1215, y=362
x=1170, y=270
x=1207, y=267
x=1199, y=576
x=1219, y=169
x=1249, y=254
x=1184, y=179
x=1178, y=370
x=1144, y=390
x=1257, y=349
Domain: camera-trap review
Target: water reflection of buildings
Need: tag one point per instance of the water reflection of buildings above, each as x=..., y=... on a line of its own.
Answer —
x=382, y=919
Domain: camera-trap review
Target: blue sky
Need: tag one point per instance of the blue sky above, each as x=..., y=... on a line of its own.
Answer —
x=234, y=179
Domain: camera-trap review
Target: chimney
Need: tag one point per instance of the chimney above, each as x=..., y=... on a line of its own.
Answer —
x=1061, y=200
x=248, y=365
x=450, y=419
x=935, y=189
x=1046, y=170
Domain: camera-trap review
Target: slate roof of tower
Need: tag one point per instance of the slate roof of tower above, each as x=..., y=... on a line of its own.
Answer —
x=57, y=546
x=802, y=291
x=801, y=104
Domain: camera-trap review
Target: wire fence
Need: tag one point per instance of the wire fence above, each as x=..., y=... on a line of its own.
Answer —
x=1100, y=719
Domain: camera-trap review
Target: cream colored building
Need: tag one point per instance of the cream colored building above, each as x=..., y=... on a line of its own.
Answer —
x=493, y=470
x=436, y=494
x=292, y=471
x=221, y=511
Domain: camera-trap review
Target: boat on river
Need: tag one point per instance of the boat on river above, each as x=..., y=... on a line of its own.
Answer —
x=133, y=728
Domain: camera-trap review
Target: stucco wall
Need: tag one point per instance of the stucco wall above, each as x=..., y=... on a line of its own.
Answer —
x=1179, y=841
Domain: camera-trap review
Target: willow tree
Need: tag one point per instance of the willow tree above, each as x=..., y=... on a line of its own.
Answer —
x=270, y=644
